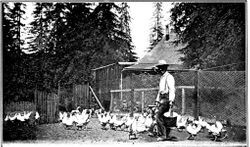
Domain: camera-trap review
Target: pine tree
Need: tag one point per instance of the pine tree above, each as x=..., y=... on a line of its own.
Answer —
x=16, y=15
x=125, y=19
x=41, y=27
x=157, y=29
x=82, y=37
x=214, y=32
x=12, y=53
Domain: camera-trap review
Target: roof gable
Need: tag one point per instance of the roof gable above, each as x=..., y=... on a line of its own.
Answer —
x=164, y=50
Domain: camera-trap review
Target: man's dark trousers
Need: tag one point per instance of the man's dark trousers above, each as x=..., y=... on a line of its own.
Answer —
x=163, y=131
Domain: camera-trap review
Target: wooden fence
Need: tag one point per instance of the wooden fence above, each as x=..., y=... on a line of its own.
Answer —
x=47, y=106
x=81, y=95
x=19, y=106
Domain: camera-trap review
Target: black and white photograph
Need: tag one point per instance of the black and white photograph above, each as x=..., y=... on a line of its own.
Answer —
x=156, y=73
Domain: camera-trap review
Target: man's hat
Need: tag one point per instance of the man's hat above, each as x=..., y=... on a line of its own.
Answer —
x=161, y=64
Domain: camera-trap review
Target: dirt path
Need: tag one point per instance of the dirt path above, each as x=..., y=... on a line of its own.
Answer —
x=94, y=133
x=56, y=133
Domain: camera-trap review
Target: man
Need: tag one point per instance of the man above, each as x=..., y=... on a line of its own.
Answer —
x=164, y=100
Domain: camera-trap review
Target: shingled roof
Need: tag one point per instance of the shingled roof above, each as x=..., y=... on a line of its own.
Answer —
x=164, y=50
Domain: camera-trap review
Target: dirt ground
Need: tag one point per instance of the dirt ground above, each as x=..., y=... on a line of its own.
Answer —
x=56, y=133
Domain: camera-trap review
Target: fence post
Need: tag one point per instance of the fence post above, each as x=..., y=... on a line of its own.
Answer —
x=142, y=101
x=121, y=85
x=196, y=96
x=183, y=101
x=86, y=89
x=131, y=94
x=198, y=93
x=111, y=102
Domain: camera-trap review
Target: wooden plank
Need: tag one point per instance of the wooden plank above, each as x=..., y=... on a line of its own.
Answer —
x=98, y=101
x=121, y=85
x=46, y=105
x=87, y=92
x=111, y=102
x=148, y=89
x=183, y=101
x=118, y=90
x=142, y=100
x=131, y=94
x=48, y=111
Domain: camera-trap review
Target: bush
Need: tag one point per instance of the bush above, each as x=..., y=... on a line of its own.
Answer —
x=18, y=130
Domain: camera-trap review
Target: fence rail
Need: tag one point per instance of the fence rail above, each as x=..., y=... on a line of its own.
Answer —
x=145, y=89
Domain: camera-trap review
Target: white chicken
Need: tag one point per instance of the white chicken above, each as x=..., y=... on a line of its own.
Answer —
x=20, y=117
x=129, y=121
x=118, y=123
x=84, y=111
x=112, y=122
x=104, y=118
x=141, y=127
x=149, y=121
x=76, y=111
x=82, y=120
x=7, y=118
x=37, y=116
x=181, y=123
x=201, y=122
x=193, y=130
x=27, y=115
x=68, y=121
x=133, y=128
x=216, y=130
x=61, y=114
x=12, y=116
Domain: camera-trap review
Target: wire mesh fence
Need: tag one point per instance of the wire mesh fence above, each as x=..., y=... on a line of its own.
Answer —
x=204, y=93
x=222, y=95
x=145, y=87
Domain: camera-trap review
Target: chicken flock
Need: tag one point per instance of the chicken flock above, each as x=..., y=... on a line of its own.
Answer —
x=140, y=123
x=137, y=124
x=22, y=118
x=75, y=118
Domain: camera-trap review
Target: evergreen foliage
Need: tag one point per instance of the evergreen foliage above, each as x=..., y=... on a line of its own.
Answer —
x=156, y=34
x=214, y=32
x=69, y=39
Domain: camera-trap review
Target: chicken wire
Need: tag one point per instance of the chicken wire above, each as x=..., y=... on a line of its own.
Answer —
x=222, y=95
x=145, y=91
x=219, y=93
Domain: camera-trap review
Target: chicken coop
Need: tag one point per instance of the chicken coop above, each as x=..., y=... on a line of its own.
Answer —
x=107, y=78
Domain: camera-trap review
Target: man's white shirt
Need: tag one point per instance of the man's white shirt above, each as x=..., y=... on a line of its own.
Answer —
x=167, y=85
